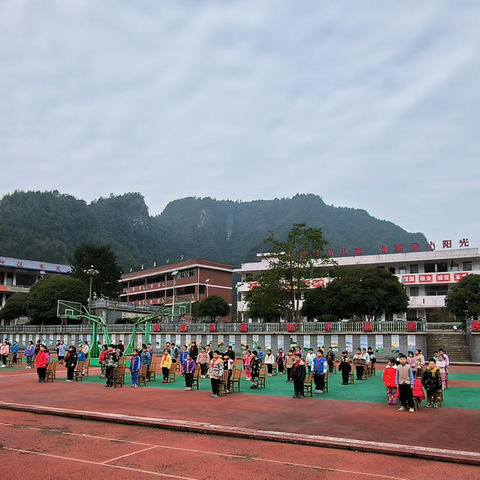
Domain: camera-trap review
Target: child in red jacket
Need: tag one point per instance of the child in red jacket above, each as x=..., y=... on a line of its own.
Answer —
x=389, y=379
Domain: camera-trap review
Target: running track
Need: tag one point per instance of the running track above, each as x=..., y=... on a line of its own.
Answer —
x=60, y=448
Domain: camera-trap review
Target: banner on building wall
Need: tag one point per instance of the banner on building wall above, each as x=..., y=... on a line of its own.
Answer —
x=210, y=339
x=178, y=339
x=65, y=339
x=363, y=341
x=231, y=341
x=198, y=339
x=268, y=342
x=411, y=343
x=321, y=341
x=349, y=343
x=293, y=341
x=188, y=340
x=395, y=343
x=221, y=343
x=158, y=341
x=168, y=338
x=306, y=342
x=379, y=348
x=280, y=342
x=243, y=340
x=334, y=342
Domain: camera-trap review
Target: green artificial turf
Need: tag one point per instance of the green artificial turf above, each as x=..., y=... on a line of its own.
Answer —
x=371, y=390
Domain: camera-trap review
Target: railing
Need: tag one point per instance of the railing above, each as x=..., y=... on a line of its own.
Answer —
x=274, y=328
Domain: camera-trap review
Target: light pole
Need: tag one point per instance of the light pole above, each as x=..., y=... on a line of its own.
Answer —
x=207, y=282
x=174, y=275
x=91, y=272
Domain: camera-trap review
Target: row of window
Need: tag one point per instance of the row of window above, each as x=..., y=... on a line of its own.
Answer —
x=436, y=267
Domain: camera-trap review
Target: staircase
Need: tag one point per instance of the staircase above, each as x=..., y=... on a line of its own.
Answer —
x=455, y=345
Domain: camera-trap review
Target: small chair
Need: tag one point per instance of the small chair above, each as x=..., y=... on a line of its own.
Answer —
x=78, y=372
x=86, y=367
x=142, y=375
x=275, y=369
x=172, y=374
x=224, y=382
x=262, y=377
x=119, y=376
x=308, y=385
x=20, y=358
x=196, y=379
x=151, y=371
x=351, y=375
x=10, y=360
x=325, y=388
x=51, y=369
x=236, y=380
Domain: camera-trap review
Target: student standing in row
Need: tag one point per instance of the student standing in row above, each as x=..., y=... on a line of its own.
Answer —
x=405, y=382
x=298, y=375
x=216, y=372
x=70, y=362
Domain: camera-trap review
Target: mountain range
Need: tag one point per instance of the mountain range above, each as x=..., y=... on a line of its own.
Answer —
x=48, y=226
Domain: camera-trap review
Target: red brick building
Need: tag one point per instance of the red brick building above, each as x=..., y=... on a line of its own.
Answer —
x=190, y=281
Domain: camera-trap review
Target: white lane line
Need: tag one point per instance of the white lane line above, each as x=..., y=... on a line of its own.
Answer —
x=89, y=462
x=248, y=432
x=208, y=452
x=129, y=454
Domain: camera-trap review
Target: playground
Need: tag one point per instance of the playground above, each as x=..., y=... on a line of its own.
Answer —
x=354, y=417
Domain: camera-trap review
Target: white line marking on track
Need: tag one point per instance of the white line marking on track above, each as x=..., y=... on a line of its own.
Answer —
x=208, y=452
x=273, y=434
x=118, y=467
x=129, y=454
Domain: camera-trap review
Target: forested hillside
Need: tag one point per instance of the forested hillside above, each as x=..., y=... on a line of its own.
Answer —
x=49, y=226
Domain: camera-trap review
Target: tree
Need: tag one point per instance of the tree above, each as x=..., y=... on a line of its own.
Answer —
x=43, y=296
x=464, y=298
x=103, y=260
x=315, y=304
x=15, y=307
x=213, y=307
x=267, y=299
x=296, y=260
x=369, y=291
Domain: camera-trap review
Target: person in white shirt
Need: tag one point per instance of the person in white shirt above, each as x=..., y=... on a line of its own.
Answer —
x=309, y=357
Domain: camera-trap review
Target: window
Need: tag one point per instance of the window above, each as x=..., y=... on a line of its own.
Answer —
x=402, y=270
x=436, y=267
x=186, y=274
x=414, y=291
x=467, y=266
x=414, y=268
x=435, y=290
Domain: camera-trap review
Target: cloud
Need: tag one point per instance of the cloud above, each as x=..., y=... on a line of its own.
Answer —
x=370, y=105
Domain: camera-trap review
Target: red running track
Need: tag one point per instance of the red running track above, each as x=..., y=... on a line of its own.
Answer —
x=39, y=446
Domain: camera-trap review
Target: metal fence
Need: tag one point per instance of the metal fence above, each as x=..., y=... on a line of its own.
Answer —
x=310, y=327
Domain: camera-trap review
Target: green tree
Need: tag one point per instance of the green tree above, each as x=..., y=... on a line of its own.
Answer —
x=315, y=303
x=368, y=291
x=103, y=260
x=464, y=298
x=213, y=307
x=267, y=299
x=43, y=297
x=15, y=307
x=296, y=260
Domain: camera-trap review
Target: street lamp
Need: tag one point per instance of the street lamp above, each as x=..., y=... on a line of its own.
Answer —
x=207, y=281
x=91, y=272
x=174, y=275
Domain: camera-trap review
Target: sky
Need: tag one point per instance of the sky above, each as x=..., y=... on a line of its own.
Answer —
x=371, y=105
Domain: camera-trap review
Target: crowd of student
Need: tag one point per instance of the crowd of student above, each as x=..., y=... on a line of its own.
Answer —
x=399, y=375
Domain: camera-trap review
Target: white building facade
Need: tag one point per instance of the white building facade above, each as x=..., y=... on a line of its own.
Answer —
x=426, y=276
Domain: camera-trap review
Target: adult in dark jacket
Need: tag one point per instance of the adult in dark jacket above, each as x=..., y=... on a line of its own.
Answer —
x=298, y=376
x=70, y=362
